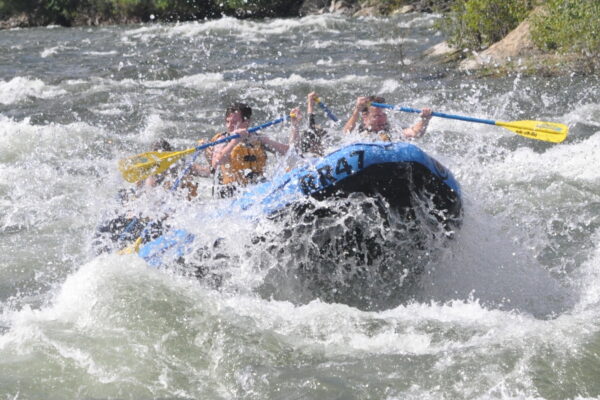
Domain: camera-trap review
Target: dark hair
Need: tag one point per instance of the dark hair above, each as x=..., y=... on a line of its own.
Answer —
x=244, y=109
x=161, y=145
x=373, y=99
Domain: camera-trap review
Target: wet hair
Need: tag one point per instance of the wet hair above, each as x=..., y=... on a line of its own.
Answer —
x=161, y=145
x=243, y=108
x=373, y=99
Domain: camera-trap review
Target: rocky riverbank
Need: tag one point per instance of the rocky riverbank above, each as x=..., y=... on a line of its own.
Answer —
x=516, y=52
x=374, y=8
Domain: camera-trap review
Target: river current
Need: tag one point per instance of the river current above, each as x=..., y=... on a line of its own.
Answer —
x=510, y=308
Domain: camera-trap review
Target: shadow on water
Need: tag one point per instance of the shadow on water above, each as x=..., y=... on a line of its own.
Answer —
x=357, y=251
x=486, y=263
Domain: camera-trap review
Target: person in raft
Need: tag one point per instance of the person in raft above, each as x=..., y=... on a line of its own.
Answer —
x=242, y=161
x=128, y=225
x=374, y=120
x=310, y=141
x=169, y=177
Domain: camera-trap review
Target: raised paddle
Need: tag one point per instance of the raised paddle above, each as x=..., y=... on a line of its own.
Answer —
x=539, y=130
x=326, y=109
x=143, y=165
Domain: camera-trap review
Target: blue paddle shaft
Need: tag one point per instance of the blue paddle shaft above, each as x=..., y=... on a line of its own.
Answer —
x=328, y=112
x=250, y=130
x=223, y=140
x=435, y=114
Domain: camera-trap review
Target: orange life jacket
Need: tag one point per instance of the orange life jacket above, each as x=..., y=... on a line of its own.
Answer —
x=246, y=164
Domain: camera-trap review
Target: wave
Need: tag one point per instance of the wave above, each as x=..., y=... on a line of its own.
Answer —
x=250, y=30
x=21, y=88
x=201, y=81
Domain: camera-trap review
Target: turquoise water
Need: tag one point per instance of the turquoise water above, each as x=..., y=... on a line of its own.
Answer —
x=509, y=309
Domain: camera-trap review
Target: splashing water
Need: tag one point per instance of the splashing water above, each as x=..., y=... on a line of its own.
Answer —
x=508, y=308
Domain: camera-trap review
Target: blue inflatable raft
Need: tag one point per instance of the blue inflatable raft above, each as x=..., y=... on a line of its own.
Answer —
x=401, y=173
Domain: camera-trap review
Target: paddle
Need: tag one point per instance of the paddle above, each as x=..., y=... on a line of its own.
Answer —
x=538, y=130
x=159, y=164
x=143, y=165
x=326, y=109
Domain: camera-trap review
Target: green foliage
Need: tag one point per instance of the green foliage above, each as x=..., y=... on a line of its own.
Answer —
x=476, y=24
x=261, y=8
x=569, y=26
x=66, y=12
x=11, y=7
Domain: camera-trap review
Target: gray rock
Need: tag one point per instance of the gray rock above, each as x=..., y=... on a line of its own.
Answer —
x=17, y=21
x=345, y=7
x=368, y=12
x=309, y=7
x=404, y=10
x=516, y=45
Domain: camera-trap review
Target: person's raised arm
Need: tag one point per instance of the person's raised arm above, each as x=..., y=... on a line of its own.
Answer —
x=420, y=127
x=295, y=119
x=310, y=109
x=361, y=103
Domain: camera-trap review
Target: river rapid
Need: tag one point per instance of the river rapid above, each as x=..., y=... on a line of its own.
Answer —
x=508, y=309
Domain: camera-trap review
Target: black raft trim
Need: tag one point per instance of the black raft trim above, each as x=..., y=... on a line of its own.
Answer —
x=397, y=183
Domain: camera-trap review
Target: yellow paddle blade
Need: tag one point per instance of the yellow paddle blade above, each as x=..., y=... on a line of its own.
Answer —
x=132, y=248
x=539, y=130
x=141, y=166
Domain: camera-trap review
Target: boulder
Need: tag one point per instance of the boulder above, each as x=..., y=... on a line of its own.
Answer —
x=345, y=7
x=515, y=45
x=309, y=7
x=17, y=21
x=442, y=49
x=372, y=11
x=404, y=10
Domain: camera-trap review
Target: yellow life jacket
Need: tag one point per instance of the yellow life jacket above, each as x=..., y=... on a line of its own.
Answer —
x=246, y=163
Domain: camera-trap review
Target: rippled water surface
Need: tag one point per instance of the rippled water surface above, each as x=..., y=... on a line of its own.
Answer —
x=508, y=309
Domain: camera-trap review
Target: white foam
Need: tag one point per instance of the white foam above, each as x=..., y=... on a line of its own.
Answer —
x=202, y=81
x=339, y=329
x=381, y=42
x=42, y=176
x=420, y=21
x=389, y=86
x=588, y=278
x=296, y=79
x=19, y=138
x=249, y=30
x=101, y=53
x=74, y=303
x=20, y=88
x=571, y=161
x=50, y=51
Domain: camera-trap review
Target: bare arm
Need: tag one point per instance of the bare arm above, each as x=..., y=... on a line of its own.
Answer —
x=296, y=117
x=222, y=155
x=274, y=146
x=420, y=127
x=361, y=103
x=310, y=102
